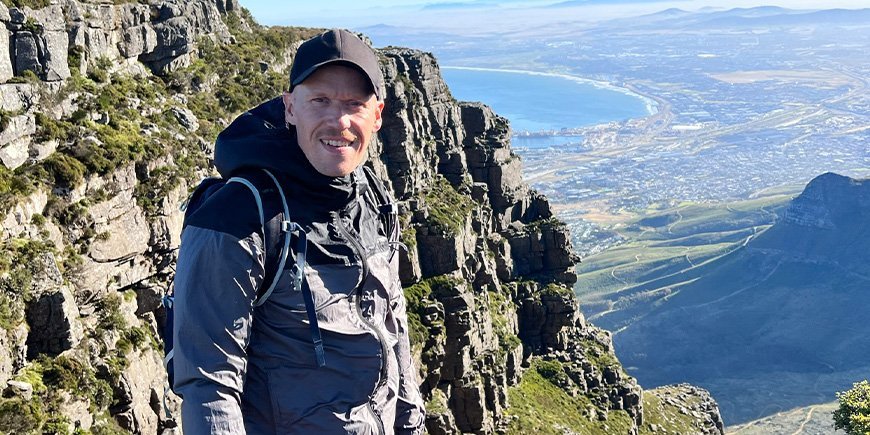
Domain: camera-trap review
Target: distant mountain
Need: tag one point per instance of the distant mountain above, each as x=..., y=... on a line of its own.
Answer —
x=574, y=3
x=668, y=13
x=769, y=17
x=779, y=323
x=743, y=17
x=457, y=5
x=759, y=11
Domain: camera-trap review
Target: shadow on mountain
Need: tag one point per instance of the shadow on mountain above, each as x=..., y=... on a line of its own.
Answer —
x=777, y=324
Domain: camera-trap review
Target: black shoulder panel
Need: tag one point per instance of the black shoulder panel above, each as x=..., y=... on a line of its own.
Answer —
x=231, y=210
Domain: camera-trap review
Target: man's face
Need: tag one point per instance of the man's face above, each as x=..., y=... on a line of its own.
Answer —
x=336, y=115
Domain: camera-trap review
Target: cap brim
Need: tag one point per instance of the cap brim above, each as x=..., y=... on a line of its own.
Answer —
x=305, y=74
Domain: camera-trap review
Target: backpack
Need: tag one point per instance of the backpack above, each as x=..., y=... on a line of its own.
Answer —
x=277, y=231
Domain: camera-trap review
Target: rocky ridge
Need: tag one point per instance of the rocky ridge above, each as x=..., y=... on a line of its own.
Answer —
x=90, y=228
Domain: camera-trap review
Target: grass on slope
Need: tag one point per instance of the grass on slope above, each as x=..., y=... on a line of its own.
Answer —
x=671, y=243
x=537, y=406
x=665, y=417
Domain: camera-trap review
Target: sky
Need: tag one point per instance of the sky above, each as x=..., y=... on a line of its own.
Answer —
x=472, y=15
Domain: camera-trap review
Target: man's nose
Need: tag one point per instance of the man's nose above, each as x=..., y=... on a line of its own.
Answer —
x=340, y=118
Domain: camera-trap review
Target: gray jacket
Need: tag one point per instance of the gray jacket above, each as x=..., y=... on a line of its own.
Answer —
x=241, y=368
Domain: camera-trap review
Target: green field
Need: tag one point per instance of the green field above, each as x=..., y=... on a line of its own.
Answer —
x=668, y=248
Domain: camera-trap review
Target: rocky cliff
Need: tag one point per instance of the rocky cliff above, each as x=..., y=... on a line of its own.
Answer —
x=107, y=117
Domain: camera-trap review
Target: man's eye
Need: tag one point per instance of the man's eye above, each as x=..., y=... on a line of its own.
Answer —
x=320, y=100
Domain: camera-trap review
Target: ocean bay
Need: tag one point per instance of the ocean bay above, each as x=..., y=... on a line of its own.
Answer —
x=538, y=102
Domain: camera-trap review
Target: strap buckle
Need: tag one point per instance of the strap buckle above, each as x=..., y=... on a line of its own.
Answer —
x=289, y=226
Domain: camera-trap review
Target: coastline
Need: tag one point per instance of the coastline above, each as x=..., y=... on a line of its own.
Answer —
x=651, y=105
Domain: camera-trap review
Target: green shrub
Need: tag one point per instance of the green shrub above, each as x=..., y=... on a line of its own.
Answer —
x=418, y=296
x=66, y=214
x=13, y=186
x=77, y=378
x=27, y=76
x=11, y=311
x=853, y=414
x=113, y=319
x=552, y=371
x=108, y=426
x=553, y=289
x=30, y=25
x=499, y=308
x=64, y=170
x=99, y=72
x=448, y=209
x=74, y=57
x=415, y=297
x=19, y=416
x=50, y=129
x=32, y=374
x=17, y=266
x=38, y=220
x=5, y=117
x=157, y=185
x=598, y=354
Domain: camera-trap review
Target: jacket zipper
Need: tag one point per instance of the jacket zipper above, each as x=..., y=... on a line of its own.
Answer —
x=376, y=417
x=356, y=246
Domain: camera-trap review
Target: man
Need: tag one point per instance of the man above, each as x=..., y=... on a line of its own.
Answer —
x=246, y=368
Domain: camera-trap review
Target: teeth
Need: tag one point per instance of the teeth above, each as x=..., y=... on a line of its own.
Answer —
x=336, y=143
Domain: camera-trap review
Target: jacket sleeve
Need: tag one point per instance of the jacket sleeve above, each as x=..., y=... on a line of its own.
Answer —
x=216, y=283
x=410, y=412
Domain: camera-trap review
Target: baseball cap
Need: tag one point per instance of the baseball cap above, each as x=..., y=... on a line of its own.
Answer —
x=336, y=46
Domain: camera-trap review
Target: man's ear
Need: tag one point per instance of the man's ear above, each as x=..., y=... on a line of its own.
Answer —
x=378, y=120
x=289, y=114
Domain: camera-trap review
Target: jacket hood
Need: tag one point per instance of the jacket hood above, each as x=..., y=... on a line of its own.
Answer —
x=260, y=138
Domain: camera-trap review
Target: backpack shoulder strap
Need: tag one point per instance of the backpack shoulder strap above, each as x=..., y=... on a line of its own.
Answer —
x=278, y=234
x=272, y=207
x=278, y=231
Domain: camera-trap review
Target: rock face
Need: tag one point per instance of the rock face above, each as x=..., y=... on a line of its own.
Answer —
x=689, y=404
x=826, y=202
x=489, y=264
x=508, y=246
x=161, y=35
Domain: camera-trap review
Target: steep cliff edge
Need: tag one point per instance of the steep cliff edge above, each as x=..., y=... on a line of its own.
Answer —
x=107, y=116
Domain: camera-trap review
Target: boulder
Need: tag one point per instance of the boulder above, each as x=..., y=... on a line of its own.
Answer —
x=186, y=118
x=53, y=320
x=18, y=220
x=18, y=389
x=122, y=229
x=54, y=56
x=143, y=381
x=468, y=401
x=15, y=140
x=76, y=410
x=13, y=350
x=16, y=97
x=26, y=53
x=6, y=68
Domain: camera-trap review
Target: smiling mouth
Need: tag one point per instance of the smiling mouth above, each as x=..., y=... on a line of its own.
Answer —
x=341, y=139
x=337, y=143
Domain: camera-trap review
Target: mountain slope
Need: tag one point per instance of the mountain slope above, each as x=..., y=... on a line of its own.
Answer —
x=777, y=323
